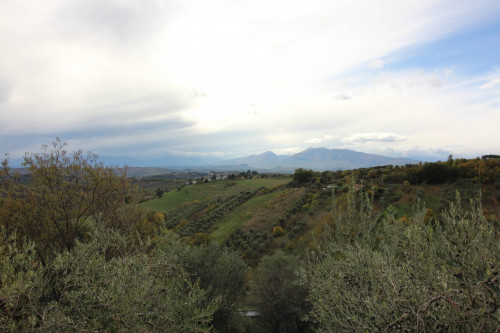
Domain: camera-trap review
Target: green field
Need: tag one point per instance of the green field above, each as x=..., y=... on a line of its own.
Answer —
x=209, y=191
x=234, y=220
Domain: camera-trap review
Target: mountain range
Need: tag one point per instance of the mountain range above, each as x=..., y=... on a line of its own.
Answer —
x=312, y=158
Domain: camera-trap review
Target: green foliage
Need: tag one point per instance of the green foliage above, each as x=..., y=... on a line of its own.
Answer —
x=432, y=270
x=231, y=222
x=202, y=220
x=173, y=199
x=278, y=295
x=297, y=228
x=251, y=243
x=103, y=285
x=435, y=173
x=222, y=274
x=248, y=174
x=302, y=176
x=200, y=238
x=159, y=192
x=392, y=276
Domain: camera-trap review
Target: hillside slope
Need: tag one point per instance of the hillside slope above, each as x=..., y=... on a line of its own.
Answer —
x=258, y=216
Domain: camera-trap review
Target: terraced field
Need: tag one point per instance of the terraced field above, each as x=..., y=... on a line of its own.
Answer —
x=210, y=191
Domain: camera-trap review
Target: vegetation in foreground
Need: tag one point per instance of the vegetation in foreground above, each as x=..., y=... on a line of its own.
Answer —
x=333, y=251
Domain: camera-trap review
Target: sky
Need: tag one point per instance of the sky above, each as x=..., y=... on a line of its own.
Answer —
x=152, y=82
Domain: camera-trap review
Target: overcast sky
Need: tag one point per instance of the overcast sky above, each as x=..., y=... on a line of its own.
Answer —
x=220, y=79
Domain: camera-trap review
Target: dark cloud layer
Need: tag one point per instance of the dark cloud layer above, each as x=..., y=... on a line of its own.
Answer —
x=5, y=88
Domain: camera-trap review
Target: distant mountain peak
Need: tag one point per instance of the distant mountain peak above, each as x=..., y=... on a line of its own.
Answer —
x=268, y=153
x=316, y=158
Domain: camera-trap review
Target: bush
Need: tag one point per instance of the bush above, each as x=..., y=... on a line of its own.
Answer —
x=278, y=231
x=103, y=285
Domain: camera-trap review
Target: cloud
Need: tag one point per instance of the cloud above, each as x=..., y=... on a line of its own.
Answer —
x=288, y=150
x=377, y=64
x=373, y=137
x=343, y=97
x=320, y=140
x=314, y=140
x=490, y=84
x=153, y=76
x=434, y=82
x=5, y=89
x=113, y=20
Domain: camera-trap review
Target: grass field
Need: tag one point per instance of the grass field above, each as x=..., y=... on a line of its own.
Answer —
x=429, y=201
x=209, y=191
x=432, y=202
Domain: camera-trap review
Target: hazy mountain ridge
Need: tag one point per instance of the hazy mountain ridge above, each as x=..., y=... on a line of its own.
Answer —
x=315, y=158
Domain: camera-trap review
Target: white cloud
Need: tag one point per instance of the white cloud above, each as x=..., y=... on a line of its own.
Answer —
x=377, y=64
x=288, y=151
x=373, y=137
x=490, y=84
x=343, y=97
x=314, y=140
x=325, y=138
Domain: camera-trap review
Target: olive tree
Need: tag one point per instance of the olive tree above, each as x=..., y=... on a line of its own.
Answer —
x=387, y=274
x=222, y=273
x=106, y=284
x=278, y=295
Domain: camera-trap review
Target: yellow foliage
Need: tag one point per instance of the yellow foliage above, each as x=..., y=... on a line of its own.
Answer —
x=159, y=218
x=181, y=224
x=200, y=238
x=429, y=216
x=404, y=220
x=278, y=231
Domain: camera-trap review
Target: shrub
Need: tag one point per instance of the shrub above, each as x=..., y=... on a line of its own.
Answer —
x=278, y=231
x=102, y=285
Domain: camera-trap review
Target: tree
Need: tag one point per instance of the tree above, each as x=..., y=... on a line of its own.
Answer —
x=222, y=274
x=89, y=289
x=66, y=191
x=278, y=295
x=303, y=176
x=159, y=192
